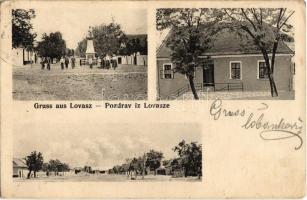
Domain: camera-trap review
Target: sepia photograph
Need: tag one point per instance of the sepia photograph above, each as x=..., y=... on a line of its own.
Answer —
x=79, y=53
x=108, y=152
x=128, y=99
x=233, y=54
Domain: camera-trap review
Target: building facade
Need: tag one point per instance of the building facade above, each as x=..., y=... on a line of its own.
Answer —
x=20, y=169
x=22, y=56
x=225, y=67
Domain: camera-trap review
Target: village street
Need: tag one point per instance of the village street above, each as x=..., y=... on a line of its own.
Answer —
x=107, y=178
x=126, y=82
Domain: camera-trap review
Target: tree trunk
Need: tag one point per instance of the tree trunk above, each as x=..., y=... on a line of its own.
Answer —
x=274, y=92
x=273, y=56
x=29, y=175
x=34, y=174
x=185, y=172
x=191, y=81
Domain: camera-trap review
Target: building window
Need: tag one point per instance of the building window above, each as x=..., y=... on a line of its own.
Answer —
x=168, y=72
x=262, y=70
x=235, y=70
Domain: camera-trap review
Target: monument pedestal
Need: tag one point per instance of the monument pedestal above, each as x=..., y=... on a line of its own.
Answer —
x=90, y=51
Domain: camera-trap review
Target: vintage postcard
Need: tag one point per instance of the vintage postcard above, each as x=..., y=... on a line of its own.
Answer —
x=153, y=99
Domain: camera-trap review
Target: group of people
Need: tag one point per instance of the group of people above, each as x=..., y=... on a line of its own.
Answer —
x=46, y=62
x=103, y=62
x=106, y=63
x=65, y=61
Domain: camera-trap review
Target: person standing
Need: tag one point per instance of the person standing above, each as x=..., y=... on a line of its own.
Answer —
x=99, y=61
x=103, y=63
x=66, y=62
x=43, y=63
x=62, y=62
x=108, y=62
x=48, y=63
x=73, y=60
x=90, y=62
x=111, y=62
x=114, y=63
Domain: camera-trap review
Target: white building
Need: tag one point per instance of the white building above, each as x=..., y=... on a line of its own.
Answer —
x=135, y=59
x=20, y=168
x=21, y=56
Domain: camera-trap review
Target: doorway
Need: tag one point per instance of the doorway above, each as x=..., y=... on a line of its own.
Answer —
x=208, y=73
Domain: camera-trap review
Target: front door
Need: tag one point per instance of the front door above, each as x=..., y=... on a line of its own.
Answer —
x=208, y=74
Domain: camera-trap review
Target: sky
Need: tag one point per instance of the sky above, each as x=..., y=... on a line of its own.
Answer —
x=73, y=22
x=100, y=145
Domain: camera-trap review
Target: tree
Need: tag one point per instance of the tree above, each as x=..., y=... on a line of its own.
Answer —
x=137, y=164
x=153, y=159
x=46, y=167
x=190, y=158
x=81, y=48
x=192, y=34
x=134, y=44
x=22, y=35
x=53, y=166
x=34, y=161
x=116, y=169
x=70, y=52
x=63, y=167
x=52, y=45
x=108, y=38
x=265, y=28
x=56, y=166
x=87, y=169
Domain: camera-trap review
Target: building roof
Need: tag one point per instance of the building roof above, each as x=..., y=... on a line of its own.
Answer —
x=225, y=43
x=17, y=162
x=291, y=45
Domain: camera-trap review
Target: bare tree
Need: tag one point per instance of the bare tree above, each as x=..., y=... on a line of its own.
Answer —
x=265, y=28
x=192, y=34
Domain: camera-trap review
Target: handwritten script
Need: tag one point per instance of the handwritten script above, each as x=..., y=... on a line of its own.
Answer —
x=280, y=129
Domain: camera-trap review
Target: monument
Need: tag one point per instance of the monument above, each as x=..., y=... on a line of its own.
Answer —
x=90, y=51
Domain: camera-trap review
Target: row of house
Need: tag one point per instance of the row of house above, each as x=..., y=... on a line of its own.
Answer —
x=227, y=65
x=139, y=57
x=135, y=59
